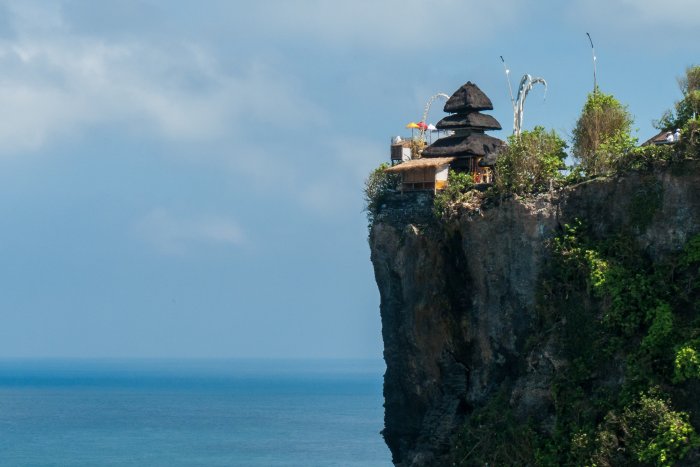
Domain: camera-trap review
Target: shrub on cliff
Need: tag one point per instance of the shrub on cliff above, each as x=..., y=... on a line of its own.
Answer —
x=458, y=186
x=602, y=133
x=530, y=161
x=377, y=185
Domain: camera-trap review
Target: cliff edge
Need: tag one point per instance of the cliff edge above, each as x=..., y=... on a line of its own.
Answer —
x=490, y=324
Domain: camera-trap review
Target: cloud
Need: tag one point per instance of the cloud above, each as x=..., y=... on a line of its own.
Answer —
x=172, y=235
x=406, y=25
x=54, y=82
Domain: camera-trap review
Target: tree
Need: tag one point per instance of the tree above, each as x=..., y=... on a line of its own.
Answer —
x=686, y=113
x=687, y=108
x=602, y=133
x=530, y=161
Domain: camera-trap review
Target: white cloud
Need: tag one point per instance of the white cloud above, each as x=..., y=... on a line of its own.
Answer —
x=53, y=82
x=173, y=235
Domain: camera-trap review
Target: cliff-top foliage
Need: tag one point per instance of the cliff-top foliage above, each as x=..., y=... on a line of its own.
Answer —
x=602, y=133
x=530, y=161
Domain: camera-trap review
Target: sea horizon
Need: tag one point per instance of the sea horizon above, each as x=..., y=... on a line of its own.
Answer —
x=173, y=411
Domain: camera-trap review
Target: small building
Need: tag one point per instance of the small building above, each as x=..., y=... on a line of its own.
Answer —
x=664, y=137
x=400, y=150
x=423, y=174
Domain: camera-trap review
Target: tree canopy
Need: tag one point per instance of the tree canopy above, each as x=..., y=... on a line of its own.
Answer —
x=530, y=161
x=602, y=133
x=687, y=108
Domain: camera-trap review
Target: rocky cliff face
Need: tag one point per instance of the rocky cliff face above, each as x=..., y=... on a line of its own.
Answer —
x=459, y=301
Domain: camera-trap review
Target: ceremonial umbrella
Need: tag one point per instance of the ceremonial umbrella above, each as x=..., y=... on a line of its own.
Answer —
x=412, y=126
x=431, y=128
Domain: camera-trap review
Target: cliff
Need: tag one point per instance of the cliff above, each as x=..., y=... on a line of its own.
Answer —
x=495, y=335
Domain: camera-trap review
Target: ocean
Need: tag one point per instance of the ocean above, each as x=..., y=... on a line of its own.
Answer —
x=191, y=413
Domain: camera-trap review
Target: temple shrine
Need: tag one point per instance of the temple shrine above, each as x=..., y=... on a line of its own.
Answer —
x=466, y=148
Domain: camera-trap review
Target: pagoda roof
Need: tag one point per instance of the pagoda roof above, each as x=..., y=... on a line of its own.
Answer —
x=473, y=120
x=472, y=145
x=466, y=98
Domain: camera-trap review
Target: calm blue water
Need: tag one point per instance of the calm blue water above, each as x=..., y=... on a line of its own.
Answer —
x=191, y=413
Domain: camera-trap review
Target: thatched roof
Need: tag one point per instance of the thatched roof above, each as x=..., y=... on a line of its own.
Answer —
x=475, y=144
x=421, y=164
x=474, y=120
x=468, y=97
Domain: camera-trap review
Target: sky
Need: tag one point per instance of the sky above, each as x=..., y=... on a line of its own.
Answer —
x=183, y=179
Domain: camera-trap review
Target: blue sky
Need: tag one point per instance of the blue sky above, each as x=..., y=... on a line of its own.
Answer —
x=183, y=179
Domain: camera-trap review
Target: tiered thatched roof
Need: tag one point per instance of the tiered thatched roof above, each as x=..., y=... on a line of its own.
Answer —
x=469, y=125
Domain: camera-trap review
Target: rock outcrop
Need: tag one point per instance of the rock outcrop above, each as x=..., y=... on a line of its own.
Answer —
x=458, y=301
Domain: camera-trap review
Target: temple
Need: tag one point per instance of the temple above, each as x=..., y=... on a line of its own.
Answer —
x=466, y=148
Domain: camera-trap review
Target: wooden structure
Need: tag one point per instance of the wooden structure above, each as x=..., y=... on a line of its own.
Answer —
x=474, y=151
x=423, y=174
x=401, y=151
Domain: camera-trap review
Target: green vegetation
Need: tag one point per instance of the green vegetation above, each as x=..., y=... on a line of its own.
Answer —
x=602, y=134
x=648, y=432
x=687, y=363
x=686, y=109
x=377, y=185
x=458, y=186
x=530, y=162
x=640, y=317
x=629, y=329
x=644, y=158
x=685, y=114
